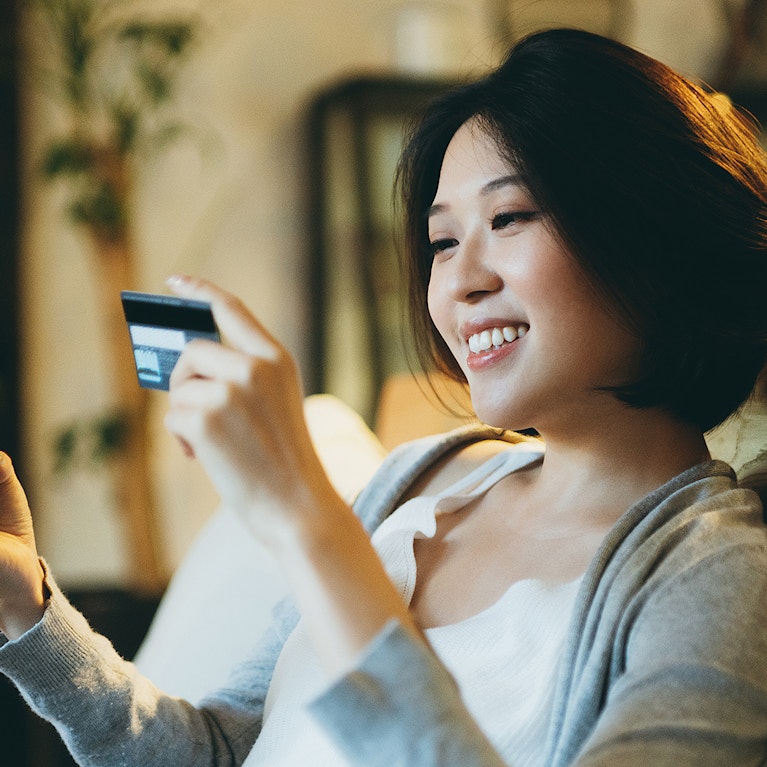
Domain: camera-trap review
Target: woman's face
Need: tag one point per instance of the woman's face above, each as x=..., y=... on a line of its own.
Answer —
x=527, y=328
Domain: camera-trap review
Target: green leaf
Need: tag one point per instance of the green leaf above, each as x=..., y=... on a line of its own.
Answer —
x=173, y=36
x=156, y=85
x=88, y=443
x=110, y=433
x=167, y=134
x=66, y=157
x=72, y=25
x=126, y=127
x=98, y=207
x=64, y=446
x=176, y=37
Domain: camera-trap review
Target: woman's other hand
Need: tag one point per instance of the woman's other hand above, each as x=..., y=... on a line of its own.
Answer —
x=22, y=591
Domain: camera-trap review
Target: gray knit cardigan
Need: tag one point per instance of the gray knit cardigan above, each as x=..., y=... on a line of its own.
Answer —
x=665, y=662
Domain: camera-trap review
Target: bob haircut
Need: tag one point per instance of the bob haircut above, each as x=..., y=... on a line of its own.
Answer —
x=656, y=188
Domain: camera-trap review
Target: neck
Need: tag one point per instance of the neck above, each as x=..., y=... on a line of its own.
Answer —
x=613, y=463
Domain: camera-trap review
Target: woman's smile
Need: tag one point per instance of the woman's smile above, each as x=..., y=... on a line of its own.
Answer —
x=490, y=346
x=493, y=343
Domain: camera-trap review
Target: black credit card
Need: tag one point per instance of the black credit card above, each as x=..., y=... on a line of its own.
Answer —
x=160, y=327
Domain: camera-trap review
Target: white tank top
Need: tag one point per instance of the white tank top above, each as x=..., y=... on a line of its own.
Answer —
x=504, y=658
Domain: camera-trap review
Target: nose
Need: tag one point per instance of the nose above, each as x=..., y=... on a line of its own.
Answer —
x=471, y=273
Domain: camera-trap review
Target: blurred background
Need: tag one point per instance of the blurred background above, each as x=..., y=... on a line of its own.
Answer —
x=252, y=143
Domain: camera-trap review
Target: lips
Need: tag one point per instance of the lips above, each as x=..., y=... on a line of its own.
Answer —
x=495, y=337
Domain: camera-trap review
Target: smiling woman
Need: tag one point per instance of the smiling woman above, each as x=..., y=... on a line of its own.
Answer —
x=591, y=598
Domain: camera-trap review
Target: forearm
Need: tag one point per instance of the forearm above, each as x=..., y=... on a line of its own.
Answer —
x=340, y=586
x=107, y=714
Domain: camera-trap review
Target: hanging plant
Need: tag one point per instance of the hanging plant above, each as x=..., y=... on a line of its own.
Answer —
x=91, y=443
x=114, y=72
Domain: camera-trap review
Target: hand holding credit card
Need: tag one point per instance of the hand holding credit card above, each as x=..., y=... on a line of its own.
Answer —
x=160, y=327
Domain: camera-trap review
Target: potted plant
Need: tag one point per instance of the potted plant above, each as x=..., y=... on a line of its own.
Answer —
x=113, y=73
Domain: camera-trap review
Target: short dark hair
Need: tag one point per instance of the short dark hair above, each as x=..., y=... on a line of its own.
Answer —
x=656, y=187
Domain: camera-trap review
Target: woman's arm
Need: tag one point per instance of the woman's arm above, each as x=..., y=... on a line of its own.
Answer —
x=401, y=706
x=109, y=715
x=104, y=710
x=239, y=410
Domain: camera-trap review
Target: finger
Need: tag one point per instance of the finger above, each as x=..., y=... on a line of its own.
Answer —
x=208, y=360
x=234, y=320
x=193, y=404
x=187, y=390
x=6, y=467
x=14, y=509
x=175, y=423
x=9, y=483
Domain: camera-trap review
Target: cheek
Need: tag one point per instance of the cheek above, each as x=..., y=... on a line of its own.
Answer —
x=434, y=305
x=440, y=312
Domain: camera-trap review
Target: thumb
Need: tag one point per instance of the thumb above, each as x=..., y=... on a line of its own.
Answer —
x=6, y=467
x=15, y=516
x=7, y=474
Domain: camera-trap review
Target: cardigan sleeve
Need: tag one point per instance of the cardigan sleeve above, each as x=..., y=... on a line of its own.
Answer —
x=110, y=716
x=400, y=706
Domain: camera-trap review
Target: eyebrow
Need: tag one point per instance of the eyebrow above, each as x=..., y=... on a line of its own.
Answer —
x=491, y=186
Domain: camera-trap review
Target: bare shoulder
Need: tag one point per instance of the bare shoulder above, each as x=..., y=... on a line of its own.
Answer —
x=457, y=464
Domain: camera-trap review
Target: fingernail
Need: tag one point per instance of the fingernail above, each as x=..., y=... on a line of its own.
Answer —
x=177, y=280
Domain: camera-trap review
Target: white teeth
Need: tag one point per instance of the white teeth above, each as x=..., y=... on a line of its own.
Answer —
x=510, y=334
x=495, y=337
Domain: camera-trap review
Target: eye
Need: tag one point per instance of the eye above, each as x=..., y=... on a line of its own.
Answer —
x=438, y=246
x=510, y=218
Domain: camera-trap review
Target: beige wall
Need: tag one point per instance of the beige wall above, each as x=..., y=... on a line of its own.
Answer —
x=227, y=205
x=232, y=212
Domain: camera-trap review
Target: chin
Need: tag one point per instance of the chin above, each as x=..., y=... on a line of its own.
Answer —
x=501, y=416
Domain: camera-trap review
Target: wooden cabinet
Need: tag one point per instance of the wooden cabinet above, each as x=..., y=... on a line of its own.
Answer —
x=355, y=135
